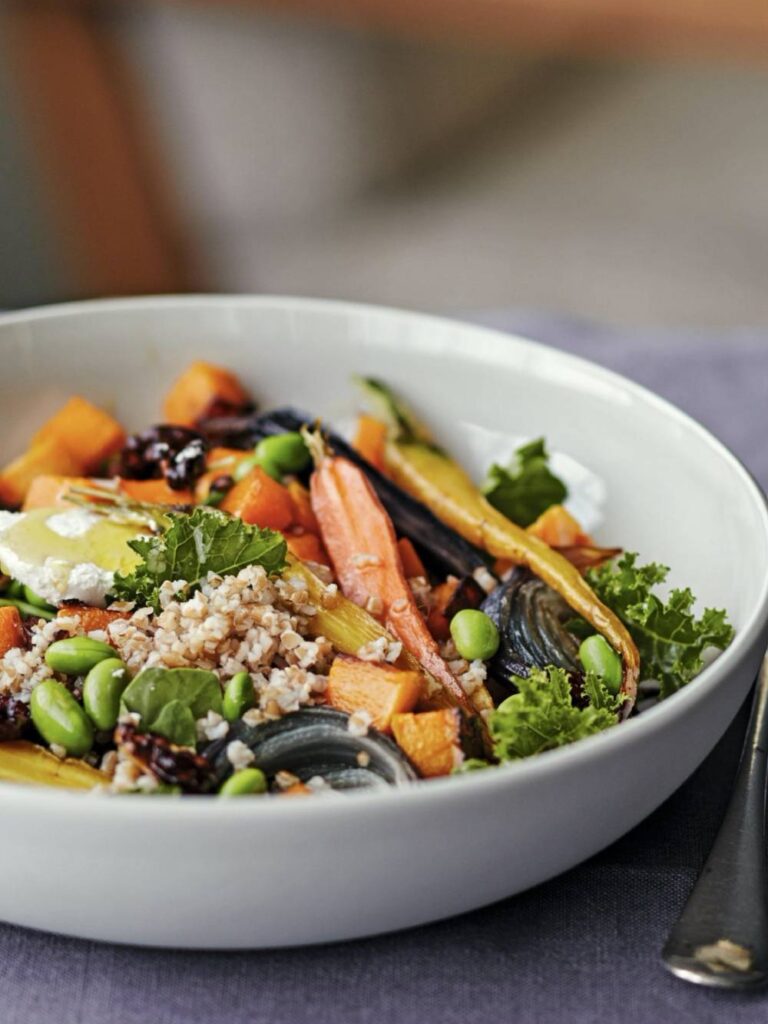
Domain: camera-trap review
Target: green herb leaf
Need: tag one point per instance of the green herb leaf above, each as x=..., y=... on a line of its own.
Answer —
x=527, y=487
x=193, y=545
x=669, y=637
x=542, y=715
x=170, y=700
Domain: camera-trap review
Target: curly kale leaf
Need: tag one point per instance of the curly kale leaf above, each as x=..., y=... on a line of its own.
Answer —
x=542, y=714
x=526, y=488
x=670, y=638
x=193, y=545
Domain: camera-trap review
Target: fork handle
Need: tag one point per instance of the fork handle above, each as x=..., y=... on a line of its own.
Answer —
x=721, y=937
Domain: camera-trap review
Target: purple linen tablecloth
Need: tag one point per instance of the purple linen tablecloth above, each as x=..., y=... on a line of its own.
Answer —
x=582, y=949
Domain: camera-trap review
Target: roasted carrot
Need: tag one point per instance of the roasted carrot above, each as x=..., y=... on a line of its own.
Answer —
x=11, y=630
x=380, y=689
x=360, y=540
x=260, y=500
x=370, y=438
x=412, y=564
x=431, y=740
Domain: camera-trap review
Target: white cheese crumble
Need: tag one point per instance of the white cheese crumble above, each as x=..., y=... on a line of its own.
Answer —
x=74, y=522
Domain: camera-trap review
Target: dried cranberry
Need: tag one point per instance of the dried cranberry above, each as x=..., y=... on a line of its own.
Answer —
x=176, y=766
x=14, y=717
x=175, y=453
x=223, y=483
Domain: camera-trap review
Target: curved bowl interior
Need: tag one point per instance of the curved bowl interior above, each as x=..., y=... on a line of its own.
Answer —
x=673, y=493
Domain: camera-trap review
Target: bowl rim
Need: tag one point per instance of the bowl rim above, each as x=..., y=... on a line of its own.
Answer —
x=33, y=800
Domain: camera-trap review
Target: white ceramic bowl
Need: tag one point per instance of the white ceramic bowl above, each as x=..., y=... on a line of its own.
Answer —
x=208, y=873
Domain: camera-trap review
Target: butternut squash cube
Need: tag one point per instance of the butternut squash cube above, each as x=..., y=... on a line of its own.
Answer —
x=47, y=456
x=199, y=390
x=380, y=689
x=89, y=434
x=430, y=740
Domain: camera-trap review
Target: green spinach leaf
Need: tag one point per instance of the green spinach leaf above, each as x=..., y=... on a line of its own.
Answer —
x=170, y=700
x=526, y=488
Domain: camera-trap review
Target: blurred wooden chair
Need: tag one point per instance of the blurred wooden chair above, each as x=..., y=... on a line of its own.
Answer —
x=110, y=200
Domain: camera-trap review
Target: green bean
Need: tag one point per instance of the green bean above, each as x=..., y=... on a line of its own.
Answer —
x=59, y=718
x=29, y=611
x=76, y=655
x=238, y=696
x=475, y=634
x=597, y=655
x=102, y=690
x=246, y=782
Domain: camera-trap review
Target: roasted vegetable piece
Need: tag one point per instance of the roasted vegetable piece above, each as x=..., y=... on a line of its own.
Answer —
x=48, y=491
x=441, y=484
x=11, y=630
x=303, y=515
x=307, y=547
x=370, y=438
x=412, y=564
x=316, y=742
x=380, y=689
x=21, y=761
x=203, y=390
x=444, y=548
x=259, y=500
x=532, y=621
x=558, y=528
x=431, y=740
x=89, y=434
x=360, y=540
x=156, y=492
x=48, y=456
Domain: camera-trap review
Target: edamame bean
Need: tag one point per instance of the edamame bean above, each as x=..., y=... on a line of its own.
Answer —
x=246, y=782
x=59, y=718
x=475, y=634
x=286, y=451
x=238, y=696
x=597, y=655
x=245, y=466
x=102, y=690
x=76, y=655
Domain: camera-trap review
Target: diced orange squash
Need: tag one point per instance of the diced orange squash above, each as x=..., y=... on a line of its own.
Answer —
x=155, y=492
x=89, y=434
x=558, y=528
x=199, y=391
x=90, y=619
x=430, y=740
x=47, y=456
x=11, y=630
x=50, y=491
x=260, y=500
x=412, y=564
x=303, y=515
x=307, y=547
x=375, y=687
x=370, y=439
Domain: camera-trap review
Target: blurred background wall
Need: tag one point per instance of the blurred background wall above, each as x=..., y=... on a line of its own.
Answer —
x=618, y=173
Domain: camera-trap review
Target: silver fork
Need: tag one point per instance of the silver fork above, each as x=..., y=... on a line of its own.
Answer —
x=721, y=937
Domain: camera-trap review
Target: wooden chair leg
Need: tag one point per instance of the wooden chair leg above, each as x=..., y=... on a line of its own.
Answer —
x=114, y=222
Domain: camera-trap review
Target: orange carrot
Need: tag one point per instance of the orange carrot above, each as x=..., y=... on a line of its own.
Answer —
x=155, y=492
x=412, y=564
x=11, y=630
x=297, y=789
x=437, y=620
x=360, y=539
x=260, y=500
x=47, y=456
x=201, y=390
x=380, y=689
x=430, y=740
x=88, y=433
x=370, y=439
x=90, y=619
